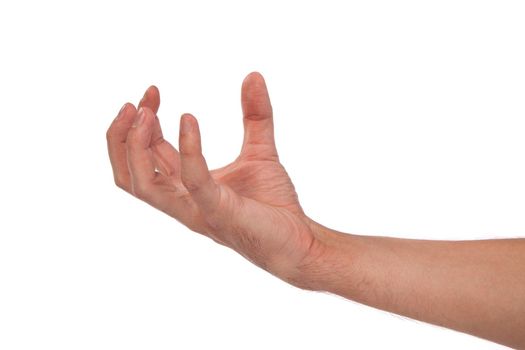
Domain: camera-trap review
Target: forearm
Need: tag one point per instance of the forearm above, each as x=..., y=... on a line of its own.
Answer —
x=476, y=287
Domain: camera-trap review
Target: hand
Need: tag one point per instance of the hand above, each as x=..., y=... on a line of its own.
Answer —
x=249, y=205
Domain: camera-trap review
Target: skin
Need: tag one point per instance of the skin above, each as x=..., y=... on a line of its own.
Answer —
x=250, y=205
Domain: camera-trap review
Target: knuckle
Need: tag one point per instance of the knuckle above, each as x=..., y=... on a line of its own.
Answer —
x=109, y=134
x=141, y=191
x=132, y=137
x=190, y=184
x=187, y=151
x=121, y=183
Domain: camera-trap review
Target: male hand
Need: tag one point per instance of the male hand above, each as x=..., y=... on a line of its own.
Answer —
x=250, y=205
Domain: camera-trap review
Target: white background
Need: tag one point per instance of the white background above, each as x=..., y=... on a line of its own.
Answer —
x=401, y=118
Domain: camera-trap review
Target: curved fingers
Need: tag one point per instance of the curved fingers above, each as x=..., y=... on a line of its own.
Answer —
x=166, y=156
x=140, y=158
x=116, y=141
x=151, y=99
x=118, y=131
x=147, y=184
x=194, y=171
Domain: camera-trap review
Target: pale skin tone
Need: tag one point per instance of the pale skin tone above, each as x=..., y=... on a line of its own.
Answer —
x=250, y=205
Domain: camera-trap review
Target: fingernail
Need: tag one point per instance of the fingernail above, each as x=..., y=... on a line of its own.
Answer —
x=143, y=97
x=185, y=124
x=121, y=110
x=139, y=118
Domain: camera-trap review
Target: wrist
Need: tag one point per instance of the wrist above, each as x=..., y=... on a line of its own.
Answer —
x=332, y=262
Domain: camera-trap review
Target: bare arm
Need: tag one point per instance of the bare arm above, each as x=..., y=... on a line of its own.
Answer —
x=476, y=287
x=251, y=206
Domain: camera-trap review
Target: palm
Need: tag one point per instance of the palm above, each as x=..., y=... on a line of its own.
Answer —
x=271, y=224
x=265, y=181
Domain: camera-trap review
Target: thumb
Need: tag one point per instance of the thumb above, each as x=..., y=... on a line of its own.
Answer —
x=257, y=116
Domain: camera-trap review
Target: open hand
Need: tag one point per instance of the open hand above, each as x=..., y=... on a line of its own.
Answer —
x=250, y=205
